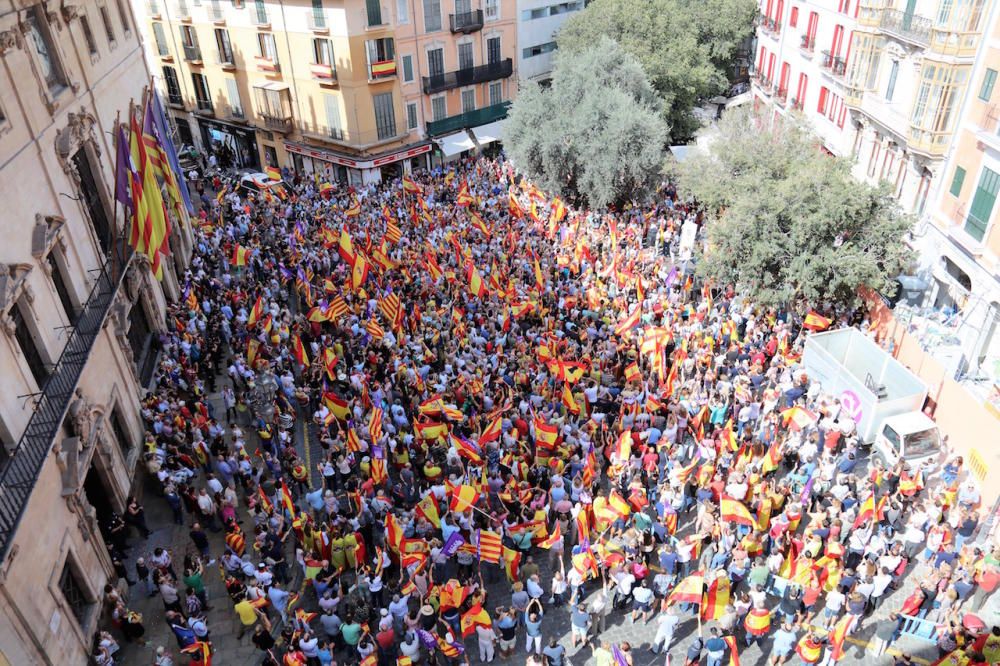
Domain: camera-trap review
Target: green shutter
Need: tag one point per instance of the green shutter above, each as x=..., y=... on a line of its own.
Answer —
x=989, y=79
x=957, y=181
x=982, y=204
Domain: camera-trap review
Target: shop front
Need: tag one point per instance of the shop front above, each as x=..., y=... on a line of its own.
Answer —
x=234, y=146
x=337, y=167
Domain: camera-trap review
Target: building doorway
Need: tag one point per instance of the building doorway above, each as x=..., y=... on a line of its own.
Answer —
x=98, y=494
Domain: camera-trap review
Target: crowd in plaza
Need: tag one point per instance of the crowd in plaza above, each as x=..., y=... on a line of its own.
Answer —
x=496, y=381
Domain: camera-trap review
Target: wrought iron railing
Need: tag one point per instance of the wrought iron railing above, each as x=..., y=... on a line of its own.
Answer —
x=907, y=26
x=192, y=53
x=469, y=76
x=467, y=22
x=475, y=118
x=19, y=473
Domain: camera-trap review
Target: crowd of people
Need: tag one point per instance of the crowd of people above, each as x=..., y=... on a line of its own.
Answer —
x=431, y=414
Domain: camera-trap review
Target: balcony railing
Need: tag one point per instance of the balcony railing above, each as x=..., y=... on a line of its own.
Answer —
x=467, y=22
x=225, y=59
x=20, y=472
x=769, y=26
x=205, y=106
x=176, y=100
x=467, y=77
x=192, y=53
x=326, y=74
x=277, y=123
x=487, y=114
x=382, y=69
x=322, y=131
x=834, y=64
x=781, y=96
x=908, y=27
x=808, y=43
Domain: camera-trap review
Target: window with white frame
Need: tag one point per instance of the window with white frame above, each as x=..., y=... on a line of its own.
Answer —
x=432, y=15
x=496, y=93
x=439, y=108
x=492, y=10
x=407, y=68
x=411, y=115
x=266, y=47
x=469, y=100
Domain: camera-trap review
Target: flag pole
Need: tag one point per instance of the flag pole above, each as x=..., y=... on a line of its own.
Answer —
x=114, y=209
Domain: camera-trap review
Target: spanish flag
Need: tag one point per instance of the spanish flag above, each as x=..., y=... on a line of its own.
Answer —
x=325, y=190
x=300, y=352
x=814, y=321
x=618, y=504
x=733, y=511
x=491, y=432
x=463, y=497
x=772, y=459
x=728, y=437
x=568, y=400
x=393, y=532
x=464, y=197
x=255, y=312
x=838, y=635
x=475, y=617
x=359, y=272
x=427, y=507
x=716, y=597
x=354, y=210
x=265, y=501
x=689, y=590
x=630, y=322
x=409, y=185
x=479, y=224
x=345, y=246
x=273, y=173
x=632, y=372
x=336, y=405
x=476, y=285
x=286, y=500
x=240, y=256
x=431, y=430
x=200, y=653
x=558, y=210
x=546, y=434
x=511, y=562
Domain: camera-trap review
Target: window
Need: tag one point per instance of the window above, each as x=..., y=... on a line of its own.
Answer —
x=260, y=12
x=493, y=50
x=225, y=48
x=121, y=431
x=26, y=341
x=381, y=58
x=439, y=109
x=957, y=181
x=374, y=9
x=62, y=290
x=402, y=12
x=793, y=18
x=40, y=43
x=989, y=79
x=106, y=20
x=468, y=100
x=463, y=6
x=235, y=103
x=266, y=48
x=492, y=10
x=333, y=124
x=88, y=35
x=140, y=340
x=385, y=118
x=890, y=89
x=201, y=93
x=189, y=41
x=161, y=39
x=173, y=85
x=496, y=93
x=91, y=194
x=465, y=60
x=123, y=17
x=432, y=15
x=533, y=51
x=322, y=52
x=982, y=204
x=800, y=92
x=318, y=17
x=435, y=62
x=407, y=68
x=411, y=116
x=273, y=103
x=74, y=594
x=824, y=94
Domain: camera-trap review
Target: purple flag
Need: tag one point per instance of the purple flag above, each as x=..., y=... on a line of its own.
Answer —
x=427, y=638
x=123, y=172
x=807, y=490
x=671, y=276
x=452, y=544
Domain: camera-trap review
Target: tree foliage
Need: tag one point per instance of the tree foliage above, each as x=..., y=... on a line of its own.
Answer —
x=596, y=135
x=793, y=226
x=687, y=47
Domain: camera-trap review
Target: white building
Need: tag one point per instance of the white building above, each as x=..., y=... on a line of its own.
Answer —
x=537, y=24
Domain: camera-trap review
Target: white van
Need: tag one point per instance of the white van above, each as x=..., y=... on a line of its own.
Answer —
x=912, y=437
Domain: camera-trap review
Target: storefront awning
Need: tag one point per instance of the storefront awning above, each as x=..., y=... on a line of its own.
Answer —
x=453, y=144
x=489, y=132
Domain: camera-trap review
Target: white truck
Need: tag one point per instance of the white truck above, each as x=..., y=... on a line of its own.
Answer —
x=883, y=397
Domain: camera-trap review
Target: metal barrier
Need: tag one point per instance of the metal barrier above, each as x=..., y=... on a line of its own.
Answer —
x=918, y=628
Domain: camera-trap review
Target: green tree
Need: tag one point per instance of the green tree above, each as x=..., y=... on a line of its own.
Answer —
x=791, y=226
x=595, y=136
x=687, y=47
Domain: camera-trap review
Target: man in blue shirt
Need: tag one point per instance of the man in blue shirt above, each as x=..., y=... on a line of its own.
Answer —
x=783, y=643
x=716, y=648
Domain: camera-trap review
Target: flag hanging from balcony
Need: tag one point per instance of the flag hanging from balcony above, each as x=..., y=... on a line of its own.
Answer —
x=163, y=132
x=161, y=164
x=149, y=227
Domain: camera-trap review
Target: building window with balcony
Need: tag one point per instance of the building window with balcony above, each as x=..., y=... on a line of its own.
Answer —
x=123, y=17
x=173, y=86
x=266, y=47
x=374, y=10
x=161, y=40
x=465, y=59
x=989, y=80
x=411, y=116
x=26, y=341
x=201, y=93
x=493, y=50
x=61, y=286
x=274, y=105
x=381, y=58
x=982, y=204
x=322, y=52
x=957, y=181
x=385, y=117
x=496, y=93
x=235, y=103
x=435, y=62
x=334, y=126
x=88, y=35
x=939, y=92
x=93, y=203
x=407, y=61
x=109, y=31
x=439, y=108
x=469, y=100
x=224, y=46
x=79, y=603
x=39, y=38
x=432, y=15
x=189, y=41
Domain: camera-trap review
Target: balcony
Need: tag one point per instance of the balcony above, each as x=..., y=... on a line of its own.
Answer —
x=321, y=132
x=267, y=65
x=808, y=43
x=907, y=27
x=781, y=96
x=324, y=74
x=796, y=104
x=928, y=142
x=205, y=107
x=466, y=23
x=467, y=77
x=192, y=53
x=174, y=99
x=225, y=60
x=20, y=472
x=277, y=123
x=487, y=114
x=769, y=26
x=381, y=70
x=316, y=20
x=834, y=65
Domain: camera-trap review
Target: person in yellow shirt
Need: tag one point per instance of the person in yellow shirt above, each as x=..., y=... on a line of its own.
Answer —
x=248, y=616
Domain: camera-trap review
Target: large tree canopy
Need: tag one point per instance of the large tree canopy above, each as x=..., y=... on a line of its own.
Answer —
x=596, y=136
x=793, y=226
x=687, y=47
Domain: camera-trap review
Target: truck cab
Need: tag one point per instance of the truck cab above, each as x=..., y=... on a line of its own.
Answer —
x=912, y=437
